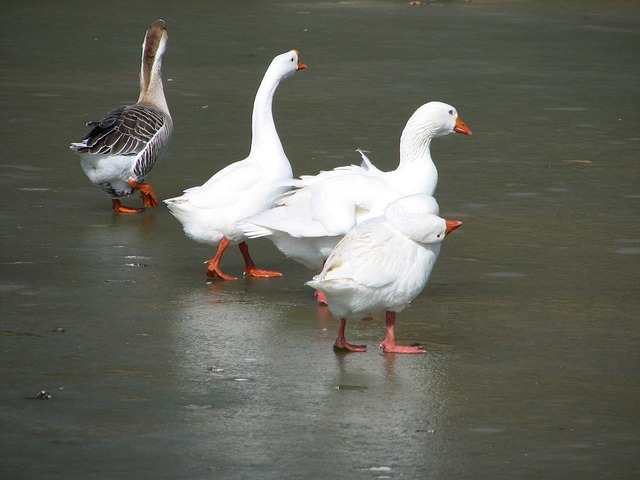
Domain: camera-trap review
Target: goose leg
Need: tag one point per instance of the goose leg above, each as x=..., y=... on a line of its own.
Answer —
x=146, y=193
x=213, y=268
x=321, y=297
x=119, y=208
x=342, y=344
x=250, y=266
x=388, y=345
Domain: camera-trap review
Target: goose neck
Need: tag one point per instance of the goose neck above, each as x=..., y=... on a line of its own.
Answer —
x=263, y=128
x=415, y=144
x=151, y=89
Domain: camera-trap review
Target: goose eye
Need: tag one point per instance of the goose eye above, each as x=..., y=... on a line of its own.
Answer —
x=451, y=112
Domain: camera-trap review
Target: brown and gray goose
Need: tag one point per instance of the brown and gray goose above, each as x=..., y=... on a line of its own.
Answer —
x=122, y=147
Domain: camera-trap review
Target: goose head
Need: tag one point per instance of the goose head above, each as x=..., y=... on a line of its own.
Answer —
x=416, y=217
x=286, y=64
x=155, y=41
x=436, y=119
x=433, y=119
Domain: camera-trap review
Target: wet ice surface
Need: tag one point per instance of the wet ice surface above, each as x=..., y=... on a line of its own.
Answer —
x=119, y=360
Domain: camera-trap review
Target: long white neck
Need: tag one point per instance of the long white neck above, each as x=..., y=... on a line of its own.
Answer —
x=263, y=129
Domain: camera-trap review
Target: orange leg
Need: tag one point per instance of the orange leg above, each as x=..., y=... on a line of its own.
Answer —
x=321, y=298
x=213, y=269
x=118, y=207
x=388, y=345
x=146, y=193
x=250, y=267
x=342, y=344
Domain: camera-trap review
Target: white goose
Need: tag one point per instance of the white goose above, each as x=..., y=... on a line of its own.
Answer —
x=383, y=264
x=210, y=213
x=307, y=222
x=121, y=149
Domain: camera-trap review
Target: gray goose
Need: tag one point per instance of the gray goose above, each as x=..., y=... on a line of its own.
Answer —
x=122, y=147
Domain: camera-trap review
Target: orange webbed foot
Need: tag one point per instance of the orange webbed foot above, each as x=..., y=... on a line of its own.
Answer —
x=256, y=272
x=119, y=208
x=342, y=345
x=391, y=347
x=213, y=271
x=147, y=194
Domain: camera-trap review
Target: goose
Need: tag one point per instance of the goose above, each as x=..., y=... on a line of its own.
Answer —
x=122, y=147
x=309, y=220
x=383, y=264
x=210, y=212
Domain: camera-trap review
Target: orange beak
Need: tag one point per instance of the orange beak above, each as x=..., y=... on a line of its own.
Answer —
x=461, y=127
x=452, y=224
x=301, y=66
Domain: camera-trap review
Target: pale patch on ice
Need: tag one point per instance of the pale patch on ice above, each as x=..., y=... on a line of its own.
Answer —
x=197, y=407
x=627, y=250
